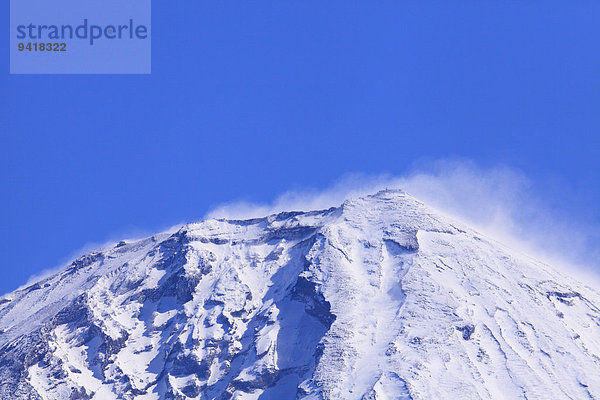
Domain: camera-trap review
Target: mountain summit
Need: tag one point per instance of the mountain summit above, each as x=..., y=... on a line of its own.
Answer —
x=380, y=298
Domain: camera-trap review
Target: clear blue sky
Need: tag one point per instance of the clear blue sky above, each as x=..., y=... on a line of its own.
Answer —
x=247, y=99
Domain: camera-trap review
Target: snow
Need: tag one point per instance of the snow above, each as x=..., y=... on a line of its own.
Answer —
x=380, y=298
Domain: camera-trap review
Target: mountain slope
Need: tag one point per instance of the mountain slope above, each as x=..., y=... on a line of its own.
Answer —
x=380, y=298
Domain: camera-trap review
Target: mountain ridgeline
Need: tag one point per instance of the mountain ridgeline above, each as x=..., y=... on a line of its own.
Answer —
x=379, y=298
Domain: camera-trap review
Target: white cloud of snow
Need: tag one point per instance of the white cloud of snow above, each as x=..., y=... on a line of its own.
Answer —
x=499, y=201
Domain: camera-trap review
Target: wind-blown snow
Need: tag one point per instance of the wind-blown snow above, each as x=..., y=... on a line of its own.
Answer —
x=380, y=298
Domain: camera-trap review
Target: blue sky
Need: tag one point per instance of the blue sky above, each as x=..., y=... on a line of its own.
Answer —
x=249, y=99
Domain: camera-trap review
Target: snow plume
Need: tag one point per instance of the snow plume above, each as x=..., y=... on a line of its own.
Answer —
x=503, y=203
x=500, y=201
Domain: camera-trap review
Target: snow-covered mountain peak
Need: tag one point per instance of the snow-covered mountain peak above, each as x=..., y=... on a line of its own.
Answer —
x=379, y=298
